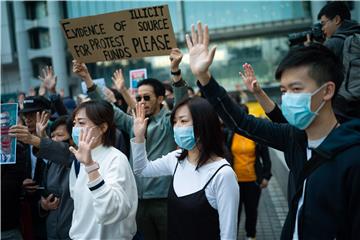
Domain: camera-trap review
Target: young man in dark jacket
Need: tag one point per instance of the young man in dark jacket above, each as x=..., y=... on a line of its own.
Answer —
x=323, y=155
x=335, y=18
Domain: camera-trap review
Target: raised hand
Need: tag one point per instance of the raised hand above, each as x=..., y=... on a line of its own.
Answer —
x=199, y=54
x=86, y=143
x=175, y=59
x=49, y=203
x=49, y=79
x=118, y=80
x=109, y=95
x=81, y=70
x=249, y=79
x=42, y=123
x=140, y=123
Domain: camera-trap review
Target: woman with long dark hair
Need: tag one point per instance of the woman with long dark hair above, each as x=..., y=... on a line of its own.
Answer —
x=204, y=195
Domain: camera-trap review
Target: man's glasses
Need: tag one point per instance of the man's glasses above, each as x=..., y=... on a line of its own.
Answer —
x=146, y=98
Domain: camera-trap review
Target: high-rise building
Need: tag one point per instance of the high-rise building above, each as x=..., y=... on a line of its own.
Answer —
x=252, y=31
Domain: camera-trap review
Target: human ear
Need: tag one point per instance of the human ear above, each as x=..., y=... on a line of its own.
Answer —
x=160, y=99
x=337, y=20
x=329, y=91
x=103, y=127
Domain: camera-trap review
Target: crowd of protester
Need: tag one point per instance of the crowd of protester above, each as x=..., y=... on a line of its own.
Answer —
x=167, y=163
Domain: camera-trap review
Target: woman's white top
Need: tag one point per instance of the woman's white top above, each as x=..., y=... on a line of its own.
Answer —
x=108, y=210
x=222, y=192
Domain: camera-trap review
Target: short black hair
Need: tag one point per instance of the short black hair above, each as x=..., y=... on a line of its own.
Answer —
x=323, y=64
x=100, y=112
x=207, y=129
x=158, y=86
x=62, y=120
x=334, y=8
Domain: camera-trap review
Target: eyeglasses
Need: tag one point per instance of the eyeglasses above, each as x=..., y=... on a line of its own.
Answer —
x=323, y=23
x=146, y=98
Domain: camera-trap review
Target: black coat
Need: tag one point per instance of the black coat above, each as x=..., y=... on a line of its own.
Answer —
x=331, y=205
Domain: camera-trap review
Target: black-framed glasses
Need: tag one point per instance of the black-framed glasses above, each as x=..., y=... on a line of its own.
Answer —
x=146, y=98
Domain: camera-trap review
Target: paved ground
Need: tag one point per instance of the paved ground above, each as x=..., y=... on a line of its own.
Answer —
x=272, y=212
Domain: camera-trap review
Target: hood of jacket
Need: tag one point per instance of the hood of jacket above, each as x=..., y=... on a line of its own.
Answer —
x=340, y=139
x=348, y=27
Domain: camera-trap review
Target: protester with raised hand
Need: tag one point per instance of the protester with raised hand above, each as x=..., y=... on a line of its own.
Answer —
x=251, y=83
x=49, y=81
x=152, y=210
x=321, y=152
x=119, y=82
x=204, y=196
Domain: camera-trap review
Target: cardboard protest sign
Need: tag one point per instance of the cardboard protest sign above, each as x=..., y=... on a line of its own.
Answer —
x=8, y=144
x=100, y=82
x=133, y=33
x=136, y=75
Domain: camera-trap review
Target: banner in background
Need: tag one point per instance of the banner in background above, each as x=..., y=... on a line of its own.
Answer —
x=9, y=114
x=128, y=34
x=136, y=75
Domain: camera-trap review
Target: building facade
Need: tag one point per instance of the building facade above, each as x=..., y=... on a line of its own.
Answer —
x=254, y=32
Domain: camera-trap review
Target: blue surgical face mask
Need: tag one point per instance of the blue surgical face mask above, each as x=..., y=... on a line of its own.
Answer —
x=184, y=137
x=296, y=108
x=75, y=135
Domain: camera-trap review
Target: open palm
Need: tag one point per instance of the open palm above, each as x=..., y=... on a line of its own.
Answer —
x=199, y=55
x=249, y=79
x=118, y=80
x=86, y=142
x=140, y=123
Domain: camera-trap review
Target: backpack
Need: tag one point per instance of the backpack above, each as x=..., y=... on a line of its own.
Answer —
x=350, y=88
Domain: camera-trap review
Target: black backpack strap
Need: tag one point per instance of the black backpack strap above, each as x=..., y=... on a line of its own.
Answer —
x=226, y=164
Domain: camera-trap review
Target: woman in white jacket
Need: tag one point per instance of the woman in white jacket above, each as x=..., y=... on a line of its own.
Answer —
x=101, y=181
x=203, y=198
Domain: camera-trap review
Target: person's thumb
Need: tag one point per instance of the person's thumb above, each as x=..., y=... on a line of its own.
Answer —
x=212, y=54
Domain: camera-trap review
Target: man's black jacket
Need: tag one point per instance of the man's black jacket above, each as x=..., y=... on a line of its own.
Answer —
x=331, y=206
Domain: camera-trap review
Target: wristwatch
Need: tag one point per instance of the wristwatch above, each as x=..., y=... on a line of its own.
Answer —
x=177, y=73
x=92, y=168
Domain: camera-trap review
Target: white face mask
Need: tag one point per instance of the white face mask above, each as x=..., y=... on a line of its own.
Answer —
x=296, y=108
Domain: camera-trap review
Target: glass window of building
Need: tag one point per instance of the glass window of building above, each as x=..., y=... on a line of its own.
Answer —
x=36, y=10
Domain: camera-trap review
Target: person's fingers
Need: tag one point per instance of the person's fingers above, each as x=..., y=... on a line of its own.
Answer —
x=188, y=41
x=37, y=117
x=91, y=141
x=44, y=72
x=200, y=33
x=50, y=197
x=81, y=134
x=73, y=150
x=206, y=37
x=85, y=134
x=242, y=76
x=90, y=135
x=142, y=110
x=193, y=34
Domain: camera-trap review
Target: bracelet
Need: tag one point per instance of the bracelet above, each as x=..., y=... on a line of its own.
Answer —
x=92, y=88
x=177, y=73
x=180, y=83
x=92, y=168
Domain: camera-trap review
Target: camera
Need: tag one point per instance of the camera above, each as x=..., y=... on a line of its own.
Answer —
x=315, y=34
